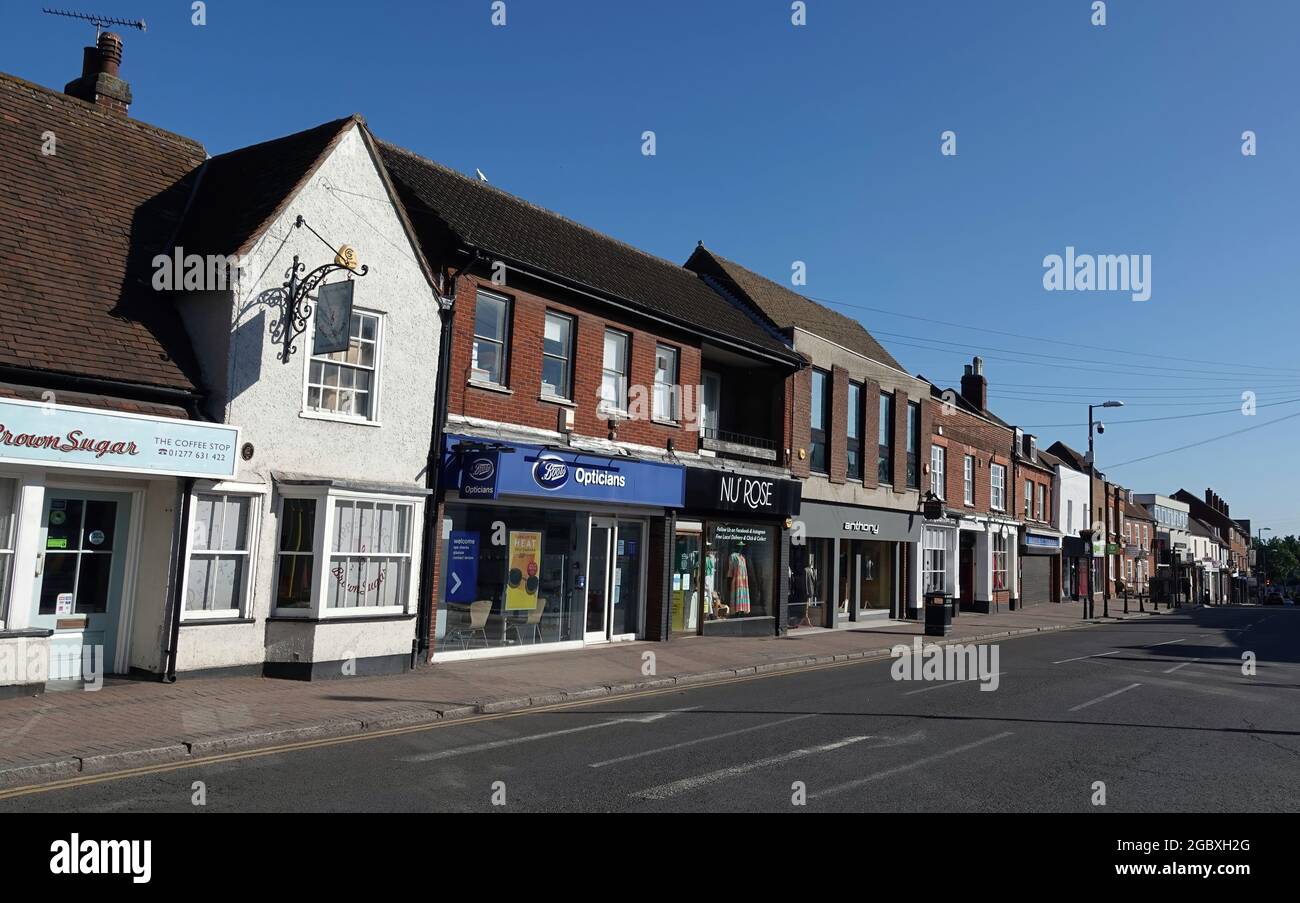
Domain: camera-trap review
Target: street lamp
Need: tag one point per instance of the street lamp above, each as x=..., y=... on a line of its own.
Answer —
x=1259, y=564
x=1094, y=428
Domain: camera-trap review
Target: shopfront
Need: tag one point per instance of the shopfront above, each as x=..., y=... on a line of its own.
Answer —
x=1040, y=557
x=545, y=549
x=853, y=565
x=89, y=502
x=729, y=572
x=1076, y=557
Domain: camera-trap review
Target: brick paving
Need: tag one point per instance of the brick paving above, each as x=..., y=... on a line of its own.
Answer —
x=130, y=722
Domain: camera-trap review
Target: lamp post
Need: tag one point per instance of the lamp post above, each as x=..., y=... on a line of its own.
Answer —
x=1259, y=565
x=1093, y=429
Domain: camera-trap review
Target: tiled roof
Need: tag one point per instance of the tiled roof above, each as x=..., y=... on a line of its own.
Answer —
x=81, y=227
x=514, y=230
x=241, y=192
x=787, y=308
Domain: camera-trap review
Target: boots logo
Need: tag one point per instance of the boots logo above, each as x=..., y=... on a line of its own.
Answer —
x=482, y=470
x=551, y=472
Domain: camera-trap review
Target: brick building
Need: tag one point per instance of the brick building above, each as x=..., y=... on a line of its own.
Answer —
x=973, y=556
x=616, y=462
x=861, y=427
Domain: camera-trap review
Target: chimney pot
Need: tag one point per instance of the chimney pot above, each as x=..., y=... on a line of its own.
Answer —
x=100, y=82
x=110, y=53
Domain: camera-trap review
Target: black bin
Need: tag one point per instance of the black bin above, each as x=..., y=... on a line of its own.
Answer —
x=938, y=614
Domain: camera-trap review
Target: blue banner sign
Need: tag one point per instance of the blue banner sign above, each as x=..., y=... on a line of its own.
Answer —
x=462, y=573
x=88, y=439
x=537, y=472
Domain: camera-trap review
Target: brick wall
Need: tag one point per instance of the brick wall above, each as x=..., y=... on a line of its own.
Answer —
x=524, y=406
x=838, y=434
x=965, y=434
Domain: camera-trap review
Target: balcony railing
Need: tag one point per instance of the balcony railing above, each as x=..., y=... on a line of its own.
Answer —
x=739, y=444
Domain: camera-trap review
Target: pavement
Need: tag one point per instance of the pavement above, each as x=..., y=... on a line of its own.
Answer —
x=131, y=724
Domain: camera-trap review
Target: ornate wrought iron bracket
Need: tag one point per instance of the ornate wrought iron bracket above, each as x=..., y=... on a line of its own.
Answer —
x=297, y=302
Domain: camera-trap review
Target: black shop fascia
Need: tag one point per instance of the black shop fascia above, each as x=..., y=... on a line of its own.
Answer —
x=730, y=575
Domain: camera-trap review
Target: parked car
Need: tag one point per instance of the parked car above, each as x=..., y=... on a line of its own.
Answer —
x=1273, y=597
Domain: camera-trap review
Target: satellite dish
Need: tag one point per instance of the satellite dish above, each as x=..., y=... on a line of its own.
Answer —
x=481, y=177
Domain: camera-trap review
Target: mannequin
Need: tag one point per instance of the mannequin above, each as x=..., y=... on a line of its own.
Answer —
x=738, y=574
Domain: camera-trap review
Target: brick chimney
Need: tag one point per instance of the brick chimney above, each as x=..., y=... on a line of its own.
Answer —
x=99, y=82
x=974, y=387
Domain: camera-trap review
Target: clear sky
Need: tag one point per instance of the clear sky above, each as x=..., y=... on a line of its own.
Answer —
x=821, y=144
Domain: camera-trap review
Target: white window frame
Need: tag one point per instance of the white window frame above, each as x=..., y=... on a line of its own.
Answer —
x=1040, y=503
x=255, y=496
x=618, y=406
x=325, y=497
x=375, y=376
x=1029, y=499
x=968, y=476
x=8, y=548
x=1002, y=555
x=998, y=487
x=938, y=470
x=567, y=358
x=934, y=558
x=504, y=341
x=670, y=389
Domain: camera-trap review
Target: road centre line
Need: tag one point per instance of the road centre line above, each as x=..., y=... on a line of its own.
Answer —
x=698, y=740
x=890, y=772
x=1082, y=657
x=1084, y=705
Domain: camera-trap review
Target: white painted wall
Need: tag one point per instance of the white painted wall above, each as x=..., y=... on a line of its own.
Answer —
x=347, y=202
x=1071, y=490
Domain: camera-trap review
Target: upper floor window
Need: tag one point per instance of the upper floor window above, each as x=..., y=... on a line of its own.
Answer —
x=938, y=466
x=819, y=461
x=345, y=382
x=666, y=382
x=968, y=477
x=613, y=380
x=1041, y=510
x=491, y=338
x=1029, y=498
x=557, y=356
x=853, y=447
x=913, y=445
x=885, y=458
x=998, y=487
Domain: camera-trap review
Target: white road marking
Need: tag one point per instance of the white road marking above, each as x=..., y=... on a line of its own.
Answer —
x=890, y=772
x=1082, y=657
x=735, y=733
x=948, y=683
x=1084, y=705
x=664, y=791
x=515, y=741
x=1166, y=643
x=1183, y=665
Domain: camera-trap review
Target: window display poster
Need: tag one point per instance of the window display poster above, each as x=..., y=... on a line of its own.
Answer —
x=523, y=576
x=462, y=574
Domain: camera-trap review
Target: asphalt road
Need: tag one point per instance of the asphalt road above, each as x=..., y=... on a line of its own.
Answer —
x=1158, y=710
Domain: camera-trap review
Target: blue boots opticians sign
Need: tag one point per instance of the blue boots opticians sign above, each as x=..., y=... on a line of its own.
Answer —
x=531, y=470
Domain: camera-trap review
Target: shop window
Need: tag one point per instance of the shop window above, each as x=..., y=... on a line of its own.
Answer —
x=821, y=422
x=345, y=383
x=999, y=561
x=296, y=563
x=557, y=357
x=666, y=382
x=738, y=575
x=874, y=564
x=489, y=356
x=613, y=380
x=370, y=555
x=8, y=510
x=515, y=577
x=853, y=447
x=936, y=546
x=217, y=578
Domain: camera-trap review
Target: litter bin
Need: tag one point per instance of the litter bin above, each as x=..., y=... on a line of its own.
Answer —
x=938, y=614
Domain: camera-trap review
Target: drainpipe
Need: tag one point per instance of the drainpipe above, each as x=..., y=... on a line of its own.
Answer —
x=178, y=582
x=433, y=467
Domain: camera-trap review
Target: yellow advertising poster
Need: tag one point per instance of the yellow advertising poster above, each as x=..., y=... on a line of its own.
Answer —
x=522, y=578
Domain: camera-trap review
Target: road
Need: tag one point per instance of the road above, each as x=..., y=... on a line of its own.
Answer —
x=1157, y=710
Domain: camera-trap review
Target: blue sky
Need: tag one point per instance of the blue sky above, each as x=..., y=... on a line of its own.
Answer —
x=821, y=144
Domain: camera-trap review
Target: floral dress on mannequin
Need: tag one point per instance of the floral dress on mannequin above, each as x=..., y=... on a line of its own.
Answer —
x=738, y=572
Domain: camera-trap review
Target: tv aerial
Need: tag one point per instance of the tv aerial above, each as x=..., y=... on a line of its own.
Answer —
x=100, y=22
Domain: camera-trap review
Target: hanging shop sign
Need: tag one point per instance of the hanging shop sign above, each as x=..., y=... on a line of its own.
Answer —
x=89, y=439
x=713, y=490
x=537, y=472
